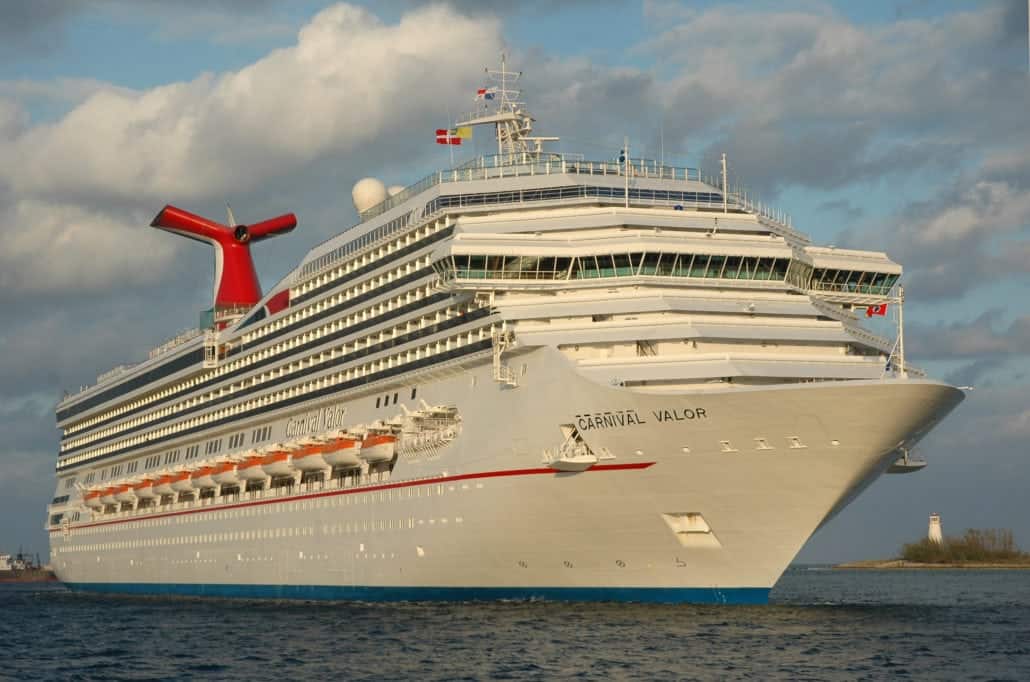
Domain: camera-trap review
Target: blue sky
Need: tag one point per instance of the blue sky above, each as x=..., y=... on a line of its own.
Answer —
x=891, y=125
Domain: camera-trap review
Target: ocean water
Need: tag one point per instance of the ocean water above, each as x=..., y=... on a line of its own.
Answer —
x=821, y=624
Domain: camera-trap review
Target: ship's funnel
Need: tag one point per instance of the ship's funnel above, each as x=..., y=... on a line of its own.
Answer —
x=236, y=282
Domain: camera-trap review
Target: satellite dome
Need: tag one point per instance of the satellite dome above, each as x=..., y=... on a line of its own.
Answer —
x=394, y=189
x=367, y=193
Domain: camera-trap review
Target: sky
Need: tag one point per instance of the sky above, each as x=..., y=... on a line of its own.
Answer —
x=894, y=125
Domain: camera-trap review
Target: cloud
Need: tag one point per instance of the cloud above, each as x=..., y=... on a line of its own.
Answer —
x=980, y=221
x=843, y=207
x=33, y=25
x=63, y=90
x=54, y=248
x=809, y=98
x=983, y=346
x=87, y=182
x=210, y=136
x=975, y=339
x=506, y=7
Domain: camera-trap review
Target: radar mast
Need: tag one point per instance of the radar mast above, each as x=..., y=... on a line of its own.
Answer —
x=513, y=123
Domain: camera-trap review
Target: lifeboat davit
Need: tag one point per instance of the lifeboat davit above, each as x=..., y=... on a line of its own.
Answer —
x=144, y=490
x=277, y=463
x=181, y=482
x=92, y=499
x=163, y=485
x=225, y=473
x=250, y=469
x=107, y=496
x=378, y=447
x=342, y=452
x=202, y=478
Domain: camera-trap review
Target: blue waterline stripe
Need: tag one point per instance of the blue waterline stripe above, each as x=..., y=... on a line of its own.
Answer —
x=649, y=595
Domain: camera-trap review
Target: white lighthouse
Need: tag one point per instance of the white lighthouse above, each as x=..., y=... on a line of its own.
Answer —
x=933, y=532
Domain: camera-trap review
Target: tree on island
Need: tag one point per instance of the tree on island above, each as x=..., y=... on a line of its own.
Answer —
x=992, y=545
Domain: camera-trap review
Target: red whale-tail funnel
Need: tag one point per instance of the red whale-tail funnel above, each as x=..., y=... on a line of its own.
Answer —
x=236, y=282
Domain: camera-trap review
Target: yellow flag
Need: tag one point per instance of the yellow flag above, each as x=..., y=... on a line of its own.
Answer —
x=465, y=132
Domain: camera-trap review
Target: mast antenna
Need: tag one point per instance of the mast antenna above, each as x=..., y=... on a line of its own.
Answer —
x=513, y=124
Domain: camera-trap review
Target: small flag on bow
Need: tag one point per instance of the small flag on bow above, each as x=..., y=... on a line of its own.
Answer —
x=876, y=309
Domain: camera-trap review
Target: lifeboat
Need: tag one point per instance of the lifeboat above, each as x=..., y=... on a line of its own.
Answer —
x=202, y=478
x=342, y=452
x=144, y=490
x=378, y=447
x=181, y=482
x=123, y=493
x=107, y=496
x=225, y=472
x=92, y=499
x=277, y=463
x=250, y=469
x=163, y=485
x=308, y=457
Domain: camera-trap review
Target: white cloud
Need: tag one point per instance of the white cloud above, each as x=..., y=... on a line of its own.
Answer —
x=349, y=78
x=77, y=185
x=59, y=248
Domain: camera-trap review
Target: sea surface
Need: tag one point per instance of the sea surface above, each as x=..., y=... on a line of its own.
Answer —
x=821, y=624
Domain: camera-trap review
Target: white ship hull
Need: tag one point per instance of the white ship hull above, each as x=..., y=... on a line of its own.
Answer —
x=484, y=516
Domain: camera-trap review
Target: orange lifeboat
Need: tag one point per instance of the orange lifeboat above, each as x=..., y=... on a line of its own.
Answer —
x=144, y=490
x=225, y=473
x=163, y=485
x=342, y=452
x=378, y=447
x=92, y=499
x=250, y=469
x=201, y=478
x=181, y=482
x=123, y=493
x=277, y=463
x=309, y=458
x=107, y=496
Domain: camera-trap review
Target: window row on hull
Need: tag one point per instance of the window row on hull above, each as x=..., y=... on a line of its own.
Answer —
x=464, y=345
x=703, y=266
x=335, y=305
x=691, y=198
x=355, y=245
x=853, y=281
x=697, y=266
x=437, y=322
x=335, y=330
x=678, y=198
x=414, y=241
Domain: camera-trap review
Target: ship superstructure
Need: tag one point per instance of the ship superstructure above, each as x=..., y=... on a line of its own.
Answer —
x=529, y=375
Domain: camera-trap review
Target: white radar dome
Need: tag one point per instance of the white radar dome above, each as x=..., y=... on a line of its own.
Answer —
x=367, y=193
x=394, y=189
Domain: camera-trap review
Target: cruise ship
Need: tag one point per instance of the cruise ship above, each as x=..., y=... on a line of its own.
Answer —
x=528, y=376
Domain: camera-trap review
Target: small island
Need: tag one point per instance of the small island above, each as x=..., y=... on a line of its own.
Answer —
x=988, y=548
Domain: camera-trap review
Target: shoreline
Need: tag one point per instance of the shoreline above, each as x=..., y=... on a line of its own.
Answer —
x=903, y=564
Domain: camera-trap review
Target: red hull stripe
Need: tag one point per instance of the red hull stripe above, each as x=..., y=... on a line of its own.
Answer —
x=358, y=491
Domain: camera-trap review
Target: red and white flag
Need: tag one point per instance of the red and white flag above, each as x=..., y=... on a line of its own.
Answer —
x=444, y=136
x=876, y=309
